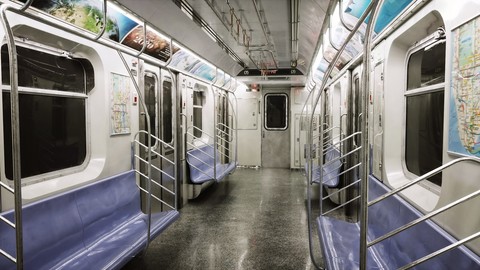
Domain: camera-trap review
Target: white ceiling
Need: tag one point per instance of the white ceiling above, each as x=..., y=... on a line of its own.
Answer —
x=269, y=51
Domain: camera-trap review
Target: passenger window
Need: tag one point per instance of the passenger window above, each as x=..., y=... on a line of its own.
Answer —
x=52, y=104
x=167, y=111
x=426, y=67
x=425, y=111
x=151, y=103
x=198, y=100
x=276, y=111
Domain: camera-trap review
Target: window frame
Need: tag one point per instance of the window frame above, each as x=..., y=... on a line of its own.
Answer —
x=154, y=125
x=162, y=96
x=287, y=112
x=198, y=131
x=22, y=90
x=422, y=90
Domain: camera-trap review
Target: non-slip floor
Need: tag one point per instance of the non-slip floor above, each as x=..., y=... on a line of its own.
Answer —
x=254, y=219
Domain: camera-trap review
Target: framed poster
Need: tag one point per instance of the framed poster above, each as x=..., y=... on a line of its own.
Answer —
x=120, y=91
x=464, y=114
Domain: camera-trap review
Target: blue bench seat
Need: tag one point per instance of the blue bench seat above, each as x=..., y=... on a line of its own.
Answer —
x=340, y=240
x=331, y=168
x=99, y=226
x=201, y=165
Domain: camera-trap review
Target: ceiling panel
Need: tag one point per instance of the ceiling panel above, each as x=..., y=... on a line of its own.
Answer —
x=274, y=38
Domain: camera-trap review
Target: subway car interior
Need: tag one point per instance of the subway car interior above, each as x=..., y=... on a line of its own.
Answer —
x=228, y=134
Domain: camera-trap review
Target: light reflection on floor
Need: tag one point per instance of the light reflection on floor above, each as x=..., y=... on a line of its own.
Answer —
x=254, y=219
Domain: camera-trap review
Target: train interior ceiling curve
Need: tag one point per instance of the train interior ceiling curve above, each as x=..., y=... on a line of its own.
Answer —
x=359, y=96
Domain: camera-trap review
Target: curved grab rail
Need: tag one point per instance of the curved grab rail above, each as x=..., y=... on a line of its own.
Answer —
x=423, y=177
x=136, y=141
x=104, y=21
x=367, y=52
x=199, y=129
x=431, y=214
x=149, y=144
x=372, y=7
x=15, y=122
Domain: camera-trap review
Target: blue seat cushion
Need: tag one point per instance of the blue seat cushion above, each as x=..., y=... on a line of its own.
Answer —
x=52, y=229
x=97, y=226
x=331, y=169
x=340, y=243
x=340, y=239
x=223, y=169
x=201, y=164
x=202, y=167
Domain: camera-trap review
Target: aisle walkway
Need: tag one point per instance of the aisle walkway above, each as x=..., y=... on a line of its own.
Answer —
x=255, y=219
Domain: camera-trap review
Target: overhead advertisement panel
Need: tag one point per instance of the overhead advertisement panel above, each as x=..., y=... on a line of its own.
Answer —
x=156, y=46
x=388, y=11
x=349, y=14
x=128, y=30
x=186, y=61
x=120, y=26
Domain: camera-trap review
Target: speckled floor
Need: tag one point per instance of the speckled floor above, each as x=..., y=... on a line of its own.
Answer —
x=255, y=219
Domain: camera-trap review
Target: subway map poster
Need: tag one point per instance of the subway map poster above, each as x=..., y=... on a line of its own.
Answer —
x=120, y=104
x=464, y=116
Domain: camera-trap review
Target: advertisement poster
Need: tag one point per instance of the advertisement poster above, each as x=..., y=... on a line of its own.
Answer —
x=157, y=46
x=353, y=9
x=464, y=114
x=120, y=26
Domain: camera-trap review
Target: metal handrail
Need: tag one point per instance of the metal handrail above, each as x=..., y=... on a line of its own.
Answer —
x=214, y=166
x=151, y=166
x=197, y=158
x=337, y=139
x=153, y=181
x=340, y=173
x=155, y=152
x=202, y=171
x=342, y=19
x=367, y=52
x=343, y=156
x=149, y=144
x=199, y=129
x=164, y=143
x=158, y=199
x=154, y=167
x=346, y=138
x=8, y=222
x=104, y=21
x=228, y=133
x=342, y=205
x=330, y=129
x=223, y=140
x=15, y=122
x=224, y=149
x=221, y=131
x=194, y=147
x=441, y=251
x=427, y=216
x=423, y=177
x=8, y=188
x=342, y=189
x=234, y=122
x=368, y=10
